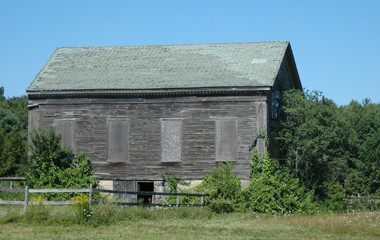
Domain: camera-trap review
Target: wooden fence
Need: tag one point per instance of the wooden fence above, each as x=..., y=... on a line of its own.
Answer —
x=11, y=180
x=364, y=200
x=90, y=192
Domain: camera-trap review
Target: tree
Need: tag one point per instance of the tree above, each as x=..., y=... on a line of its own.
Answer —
x=2, y=98
x=13, y=135
x=13, y=154
x=324, y=145
x=314, y=140
x=364, y=138
x=54, y=166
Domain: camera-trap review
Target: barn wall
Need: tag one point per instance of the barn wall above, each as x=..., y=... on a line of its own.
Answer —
x=144, y=116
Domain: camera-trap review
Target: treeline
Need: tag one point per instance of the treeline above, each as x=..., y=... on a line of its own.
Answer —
x=331, y=148
x=13, y=135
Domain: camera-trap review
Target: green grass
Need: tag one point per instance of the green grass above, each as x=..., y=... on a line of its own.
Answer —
x=112, y=222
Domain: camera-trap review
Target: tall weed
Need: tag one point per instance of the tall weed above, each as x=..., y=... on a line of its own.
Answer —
x=81, y=208
x=37, y=211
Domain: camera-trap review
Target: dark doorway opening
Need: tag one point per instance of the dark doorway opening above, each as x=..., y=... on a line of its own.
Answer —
x=145, y=187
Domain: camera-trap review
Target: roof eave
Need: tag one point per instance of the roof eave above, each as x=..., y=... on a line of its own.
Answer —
x=130, y=93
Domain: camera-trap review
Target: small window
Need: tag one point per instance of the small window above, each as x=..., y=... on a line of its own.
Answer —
x=145, y=187
x=66, y=127
x=226, y=139
x=117, y=140
x=171, y=140
x=276, y=98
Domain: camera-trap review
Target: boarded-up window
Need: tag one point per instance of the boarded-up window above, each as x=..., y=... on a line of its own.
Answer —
x=66, y=127
x=117, y=140
x=171, y=140
x=225, y=139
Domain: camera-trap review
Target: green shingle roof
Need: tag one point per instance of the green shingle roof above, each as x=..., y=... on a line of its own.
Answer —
x=161, y=67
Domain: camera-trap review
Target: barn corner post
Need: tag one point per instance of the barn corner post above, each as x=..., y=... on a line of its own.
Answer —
x=261, y=128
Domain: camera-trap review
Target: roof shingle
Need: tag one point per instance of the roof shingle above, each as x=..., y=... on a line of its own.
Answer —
x=161, y=67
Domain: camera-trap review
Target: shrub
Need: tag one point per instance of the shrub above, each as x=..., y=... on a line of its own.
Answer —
x=334, y=200
x=223, y=188
x=272, y=190
x=191, y=199
x=57, y=167
x=221, y=205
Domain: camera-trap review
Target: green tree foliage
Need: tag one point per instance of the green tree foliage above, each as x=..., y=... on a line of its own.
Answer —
x=364, y=138
x=324, y=145
x=271, y=189
x=2, y=98
x=274, y=190
x=223, y=188
x=313, y=140
x=13, y=135
x=54, y=166
x=13, y=155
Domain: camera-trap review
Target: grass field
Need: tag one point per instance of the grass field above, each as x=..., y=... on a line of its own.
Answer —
x=137, y=223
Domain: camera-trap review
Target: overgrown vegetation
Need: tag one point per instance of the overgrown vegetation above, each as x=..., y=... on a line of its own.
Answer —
x=273, y=190
x=13, y=135
x=331, y=149
x=114, y=222
x=172, y=181
x=54, y=166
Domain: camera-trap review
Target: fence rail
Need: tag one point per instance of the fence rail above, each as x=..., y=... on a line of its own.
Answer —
x=90, y=191
x=12, y=179
x=364, y=200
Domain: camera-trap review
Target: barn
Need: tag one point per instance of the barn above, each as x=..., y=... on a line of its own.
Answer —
x=137, y=111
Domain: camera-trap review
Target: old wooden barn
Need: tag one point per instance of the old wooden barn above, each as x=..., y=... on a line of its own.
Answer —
x=140, y=110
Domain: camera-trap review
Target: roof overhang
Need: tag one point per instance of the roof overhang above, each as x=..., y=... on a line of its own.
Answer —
x=150, y=93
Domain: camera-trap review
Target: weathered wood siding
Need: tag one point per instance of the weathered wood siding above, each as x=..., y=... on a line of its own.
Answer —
x=198, y=117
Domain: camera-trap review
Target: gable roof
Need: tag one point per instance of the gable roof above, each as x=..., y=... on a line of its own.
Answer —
x=189, y=66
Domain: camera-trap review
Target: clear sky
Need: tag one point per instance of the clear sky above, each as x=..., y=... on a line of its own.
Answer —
x=336, y=43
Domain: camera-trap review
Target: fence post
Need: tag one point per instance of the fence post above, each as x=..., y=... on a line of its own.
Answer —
x=178, y=200
x=90, y=195
x=26, y=199
x=203, y=200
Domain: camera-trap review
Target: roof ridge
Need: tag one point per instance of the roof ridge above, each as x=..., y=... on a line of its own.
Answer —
x=176, y=44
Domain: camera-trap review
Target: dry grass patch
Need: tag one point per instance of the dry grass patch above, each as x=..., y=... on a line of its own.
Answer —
x=200, y=224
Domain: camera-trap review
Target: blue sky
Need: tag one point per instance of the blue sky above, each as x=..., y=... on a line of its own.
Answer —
x=336, y=43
